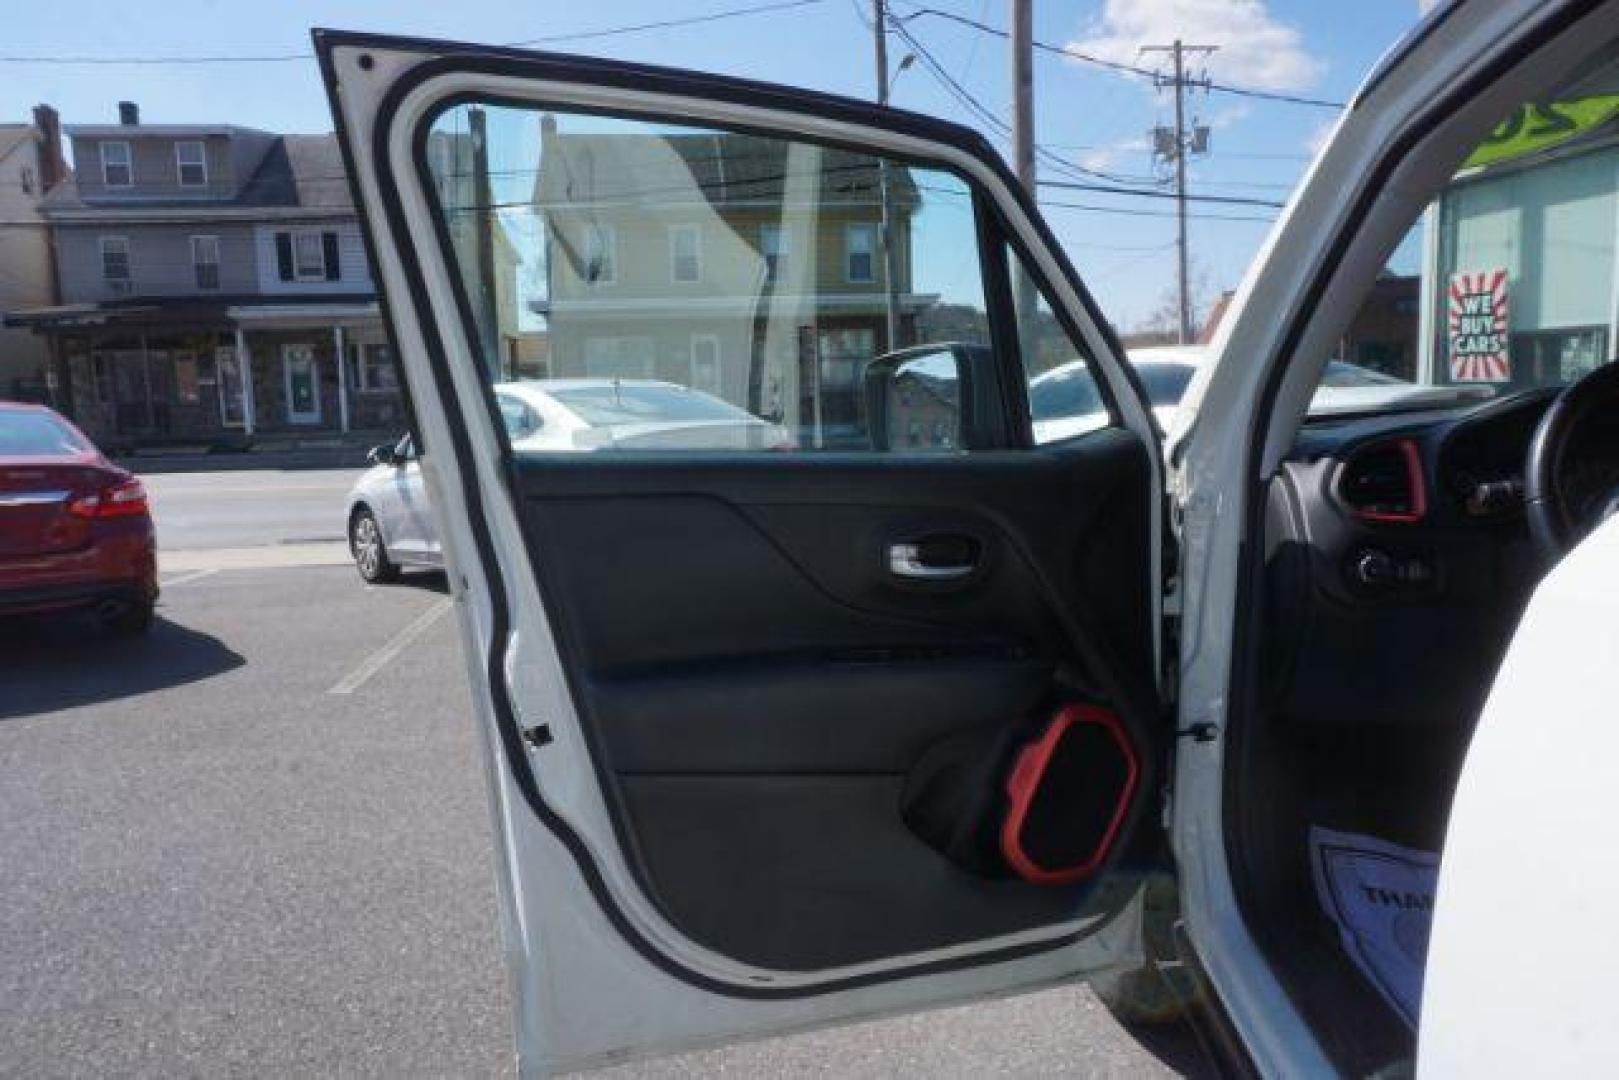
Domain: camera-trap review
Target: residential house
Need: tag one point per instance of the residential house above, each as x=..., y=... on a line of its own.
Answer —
x=31, y=164
x=214, y=288
x=662, y=251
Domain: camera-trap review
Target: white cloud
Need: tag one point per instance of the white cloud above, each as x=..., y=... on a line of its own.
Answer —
x=1425, y=6
x=1102, y=158
x=1256, y=50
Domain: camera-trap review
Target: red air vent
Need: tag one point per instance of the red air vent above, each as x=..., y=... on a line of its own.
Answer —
x=1384, y=483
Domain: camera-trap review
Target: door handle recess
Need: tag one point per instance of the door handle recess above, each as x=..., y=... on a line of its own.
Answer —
x=946, y=559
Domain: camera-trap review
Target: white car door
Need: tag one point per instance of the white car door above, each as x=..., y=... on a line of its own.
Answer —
x=777, y=738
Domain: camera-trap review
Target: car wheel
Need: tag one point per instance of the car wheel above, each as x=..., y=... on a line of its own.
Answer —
x=123, y=620
x=370, y=555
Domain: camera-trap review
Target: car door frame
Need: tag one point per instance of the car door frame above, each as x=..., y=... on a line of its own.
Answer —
x=473, y=491
x=1416, y=117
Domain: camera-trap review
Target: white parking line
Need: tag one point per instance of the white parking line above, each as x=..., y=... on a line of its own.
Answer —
x=379, y=659
x=186, y=579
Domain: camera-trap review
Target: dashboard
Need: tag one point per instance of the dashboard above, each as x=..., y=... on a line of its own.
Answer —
x=1398, y=559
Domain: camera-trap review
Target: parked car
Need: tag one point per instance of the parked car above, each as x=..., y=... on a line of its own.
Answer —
x=784, y=741
x=1065, y=402
x=390, y=522
x=75, y=530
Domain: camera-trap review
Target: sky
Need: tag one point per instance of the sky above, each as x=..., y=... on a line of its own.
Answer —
x=1087, y=116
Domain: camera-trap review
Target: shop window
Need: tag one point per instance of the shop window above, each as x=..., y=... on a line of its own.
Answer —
x=374, y=371
x=187, y=383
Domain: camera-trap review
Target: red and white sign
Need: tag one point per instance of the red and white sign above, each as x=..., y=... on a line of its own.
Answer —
x=1479, y=341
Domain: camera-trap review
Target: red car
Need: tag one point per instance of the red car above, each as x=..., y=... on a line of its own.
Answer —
x=75, y=529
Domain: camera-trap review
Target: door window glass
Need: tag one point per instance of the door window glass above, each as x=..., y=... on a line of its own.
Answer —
x=747, y=271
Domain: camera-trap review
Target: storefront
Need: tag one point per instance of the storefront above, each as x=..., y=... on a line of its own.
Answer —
x=1520, y=264
x=155, y=375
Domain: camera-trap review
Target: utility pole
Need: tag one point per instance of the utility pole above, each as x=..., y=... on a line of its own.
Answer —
x=879, y=26
x=1175, y=146
x=1023, y=93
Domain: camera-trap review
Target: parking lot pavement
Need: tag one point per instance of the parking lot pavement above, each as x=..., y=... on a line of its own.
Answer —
x=212, y=862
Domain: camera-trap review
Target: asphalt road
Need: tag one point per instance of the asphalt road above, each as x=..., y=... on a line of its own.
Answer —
x=198, y=511
x=214, y=864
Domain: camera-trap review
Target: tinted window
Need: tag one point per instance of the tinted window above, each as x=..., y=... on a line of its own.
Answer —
x=34, y=434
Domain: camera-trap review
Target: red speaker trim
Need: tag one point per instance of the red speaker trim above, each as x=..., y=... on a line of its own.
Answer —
x=1024, y=781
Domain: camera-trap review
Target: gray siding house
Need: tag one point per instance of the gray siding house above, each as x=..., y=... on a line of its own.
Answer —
x=213, y=289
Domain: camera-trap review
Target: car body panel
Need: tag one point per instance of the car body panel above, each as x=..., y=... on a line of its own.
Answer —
x=52, y=557
x=600, y=971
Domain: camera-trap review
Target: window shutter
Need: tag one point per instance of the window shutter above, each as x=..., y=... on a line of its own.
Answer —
x=329, y=242
x=283, y=254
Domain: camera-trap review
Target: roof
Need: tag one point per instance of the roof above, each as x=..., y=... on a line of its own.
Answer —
x=722, y=168
x=297, y=172
x=13, y=136
x=168, y=131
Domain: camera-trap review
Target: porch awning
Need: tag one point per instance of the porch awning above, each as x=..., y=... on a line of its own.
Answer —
x=266, y=316
x=222, y=314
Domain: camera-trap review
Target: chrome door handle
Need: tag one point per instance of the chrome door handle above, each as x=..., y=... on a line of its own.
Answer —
x=905, y=560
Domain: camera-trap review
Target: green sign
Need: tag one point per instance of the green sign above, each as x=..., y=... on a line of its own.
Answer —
x=1540, y=125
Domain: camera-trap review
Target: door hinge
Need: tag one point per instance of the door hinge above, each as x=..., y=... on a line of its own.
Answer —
x=1202, y=731
x=538, y=737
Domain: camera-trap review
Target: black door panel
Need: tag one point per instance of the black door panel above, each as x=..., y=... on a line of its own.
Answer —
x=758, y=684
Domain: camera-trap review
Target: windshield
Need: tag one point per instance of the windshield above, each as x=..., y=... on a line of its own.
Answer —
x=37, y=434
x=1066, y=391
x=1165, y=382
x=616, y=404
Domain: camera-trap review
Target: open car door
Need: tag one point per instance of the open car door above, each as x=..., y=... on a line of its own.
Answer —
x=817, y=679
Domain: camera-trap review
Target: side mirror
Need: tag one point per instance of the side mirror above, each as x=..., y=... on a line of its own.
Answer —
x=931, y=399
x=384, y=454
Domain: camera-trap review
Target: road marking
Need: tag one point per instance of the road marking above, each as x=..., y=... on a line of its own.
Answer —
x=186, y=579
x=379, y=659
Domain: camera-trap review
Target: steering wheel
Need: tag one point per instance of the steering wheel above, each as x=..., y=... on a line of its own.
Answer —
x=1557, y=518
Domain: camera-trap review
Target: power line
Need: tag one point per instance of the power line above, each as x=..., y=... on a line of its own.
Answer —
x=1234, y=200
x=1118, y=66
x=1130, y=211
x=991, y=119
x=278, y=58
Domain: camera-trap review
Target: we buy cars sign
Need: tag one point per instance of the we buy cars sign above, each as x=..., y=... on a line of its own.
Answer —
x=1477, y=324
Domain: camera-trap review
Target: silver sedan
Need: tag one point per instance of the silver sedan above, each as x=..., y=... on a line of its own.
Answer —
x=390, y=523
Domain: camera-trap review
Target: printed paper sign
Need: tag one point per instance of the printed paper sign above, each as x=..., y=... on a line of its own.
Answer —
x=1380, y=895
x=1479, y=342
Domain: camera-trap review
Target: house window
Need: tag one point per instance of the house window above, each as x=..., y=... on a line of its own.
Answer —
x=601, y=254
x=115, y=269
x=205, y=261
x=374, y=371
x=309, y=256
x=774, y=248
x=685, y=254
x=705, y=363
x=193, y=163
x=27, y=180
x=115, y=166
x=859, y=253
